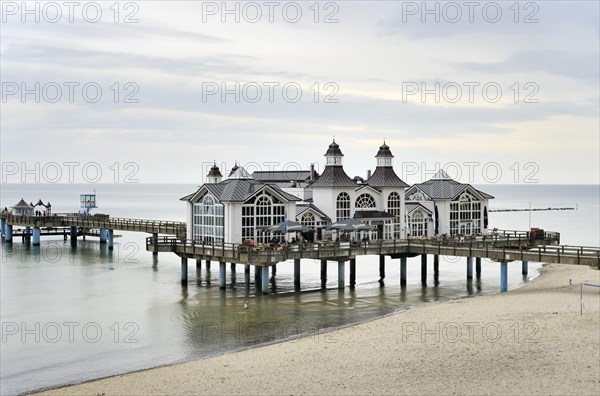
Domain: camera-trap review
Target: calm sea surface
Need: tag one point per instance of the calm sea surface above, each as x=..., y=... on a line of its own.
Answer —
x=70, y=315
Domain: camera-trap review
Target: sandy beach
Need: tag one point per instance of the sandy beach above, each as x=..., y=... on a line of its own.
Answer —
x=527, y=341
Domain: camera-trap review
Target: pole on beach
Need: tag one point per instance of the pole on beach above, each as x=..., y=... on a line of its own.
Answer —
x=296, y=274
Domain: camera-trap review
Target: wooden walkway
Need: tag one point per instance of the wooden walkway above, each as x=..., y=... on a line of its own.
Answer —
x=502, y=249
x=175, y=228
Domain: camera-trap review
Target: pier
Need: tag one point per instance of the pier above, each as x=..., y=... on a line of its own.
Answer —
x=501, y=246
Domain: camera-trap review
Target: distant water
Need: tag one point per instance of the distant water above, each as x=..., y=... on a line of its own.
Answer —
x=70, y=315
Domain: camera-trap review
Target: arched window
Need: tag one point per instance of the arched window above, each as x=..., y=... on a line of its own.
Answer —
x=261, y=211
x=342, y=206
x=208, y=220
x=308, y=219
x=364, y=201
x=418, y=224
x=394, y=204
x=465, y=215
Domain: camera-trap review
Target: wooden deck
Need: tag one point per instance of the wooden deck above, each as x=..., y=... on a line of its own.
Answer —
x=500, y=248
x=175, y=228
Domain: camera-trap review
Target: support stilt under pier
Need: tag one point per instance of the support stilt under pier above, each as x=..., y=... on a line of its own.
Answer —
x=199, y=264
x=102, y=235
x=111, y=239
x=247, y=276
x=403, y=271
x=258, y=278
x=184, y=271
x=423, y=269
x=381, y=269
x=233, y=274
x=73, y=235
x=222, y=274
x=297, y=274
x=36, y=236
x=469, y=267
x=503, y=276
x=2, y=225
x=323, y=274
x=208, y=265
x=341, y=274
x=155, y=242
x=436, y=269
x=525, y=267
x=352, y=272
x=8, y=231
x=265, y=280
x=478, y=267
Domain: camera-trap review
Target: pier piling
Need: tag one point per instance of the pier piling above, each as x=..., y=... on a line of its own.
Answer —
x=503, y=276
x=184, y=271
x=381, y=269
x=36, y=236
x=469, y=267
x=436, y=269
x=103, y=235
x=423, y=269
x=352, y=272
x=478, y=267
x=341, y=273
x=222, y=274
x=297, y=274
x=155, y=242
x=525, y=267
x=403, y=271
x=265, y=280
x=323, y=274
x=111, y=239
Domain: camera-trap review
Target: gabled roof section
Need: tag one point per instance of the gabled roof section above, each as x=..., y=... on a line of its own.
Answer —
x=367, y=187
x=385, y=176
x=334, y=176
x=237, y=190
x=239, y=173
x=283, y=176
x=301, y=208
x=22, y=205
x=445, y=188
x=412, y=206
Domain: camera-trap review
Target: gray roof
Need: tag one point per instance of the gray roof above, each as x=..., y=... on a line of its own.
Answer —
x=22, y=204
x=283, y=176
x=334, y=150
x=384, y=151
x=445, y=189
x=239, y=190
x=214, y=171
x=371, y=214
x=304, y=206
x=334, y=176
x=411, y=206
x=384, y=176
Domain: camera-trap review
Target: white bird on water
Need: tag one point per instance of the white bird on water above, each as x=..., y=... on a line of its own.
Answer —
x=246, y=306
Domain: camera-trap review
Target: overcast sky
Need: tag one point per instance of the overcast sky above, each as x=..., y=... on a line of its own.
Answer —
x=361, y=68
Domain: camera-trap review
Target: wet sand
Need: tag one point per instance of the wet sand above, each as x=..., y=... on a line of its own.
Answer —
x=528, y=341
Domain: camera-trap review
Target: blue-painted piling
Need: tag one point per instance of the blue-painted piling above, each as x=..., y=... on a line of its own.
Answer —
x=222, y=274
x=36, y=236
x=102, y=235
x=265, y=280
x=525, y=267
x=184, y=271
x=503, y=276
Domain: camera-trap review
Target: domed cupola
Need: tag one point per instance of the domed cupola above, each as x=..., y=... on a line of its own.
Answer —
x=214, y=176
x=384, y=156
x=334, y=155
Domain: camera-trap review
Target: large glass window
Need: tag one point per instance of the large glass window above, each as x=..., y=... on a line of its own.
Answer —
x=342, y=206
x=263, y=211
x=308, y=219
x=365, y=201
x=465, y=215
x=418, y=223
x=208, y=220
x=394, y=208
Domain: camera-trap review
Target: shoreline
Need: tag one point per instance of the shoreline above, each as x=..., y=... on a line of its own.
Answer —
x=522, y=341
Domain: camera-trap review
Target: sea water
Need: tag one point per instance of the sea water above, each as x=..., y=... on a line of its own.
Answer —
x=74, y=314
